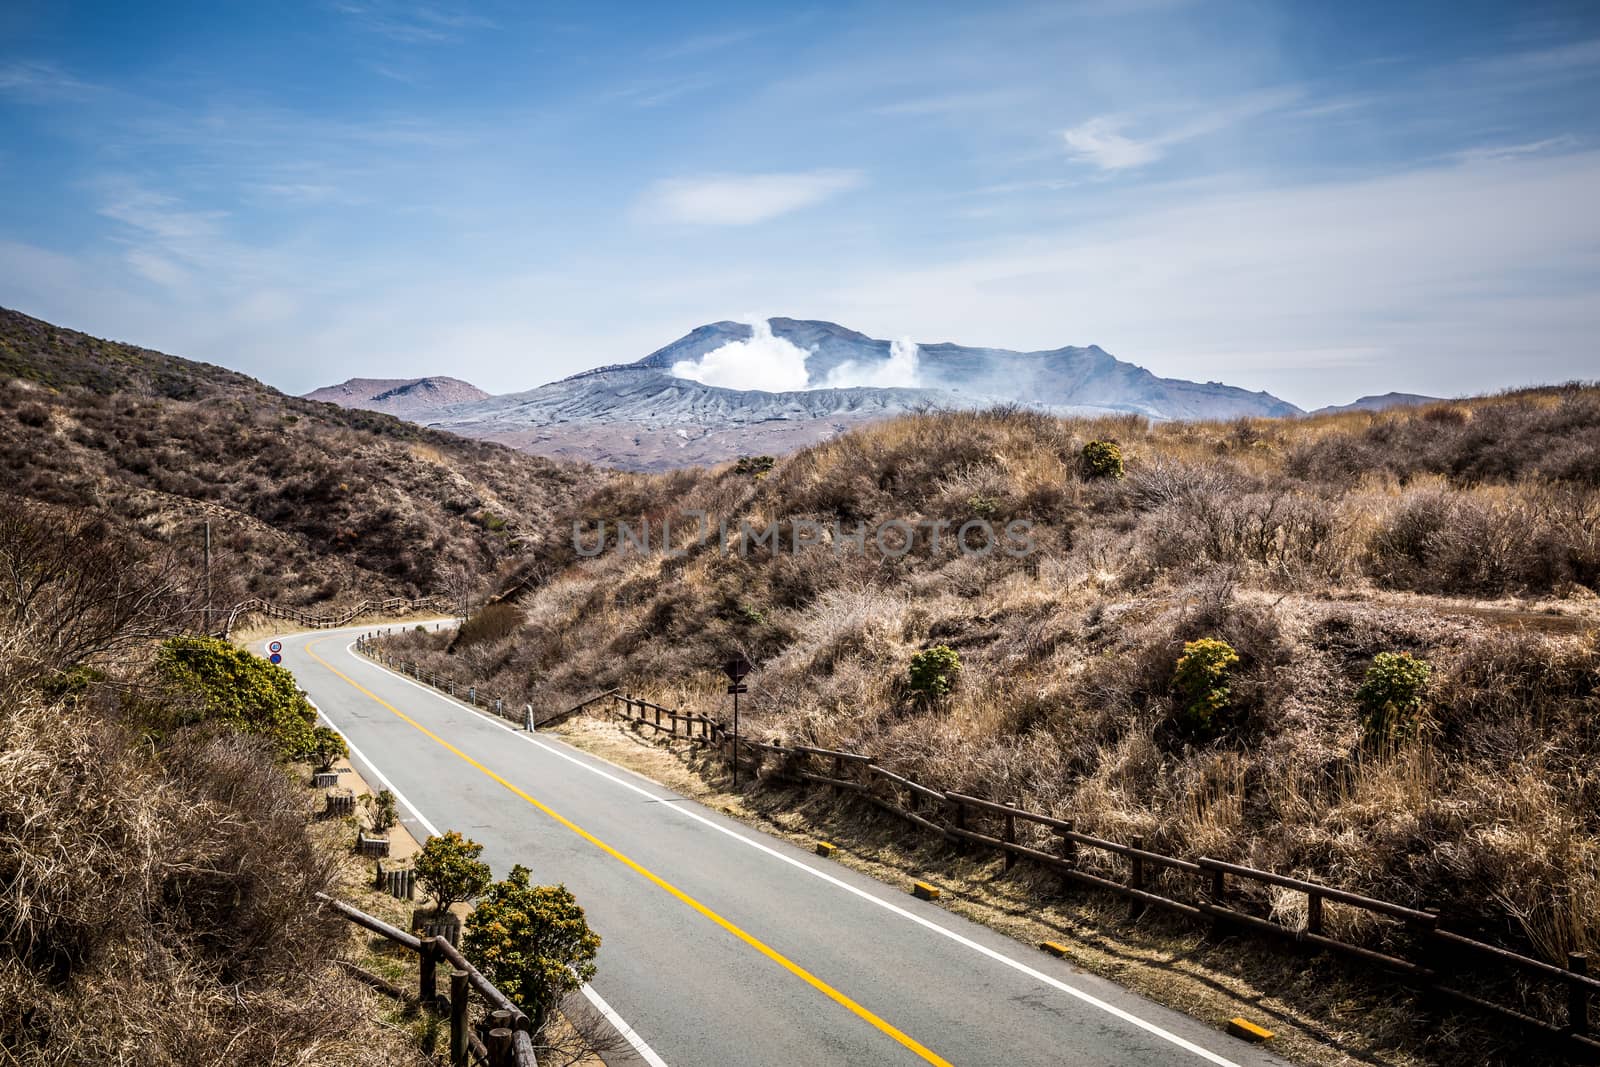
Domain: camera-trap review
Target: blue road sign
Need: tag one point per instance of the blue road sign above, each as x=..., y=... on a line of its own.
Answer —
x=276, y=646
x=275, y=658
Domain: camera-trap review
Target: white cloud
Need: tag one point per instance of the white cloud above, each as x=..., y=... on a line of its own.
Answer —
x=1467, y=276
x=1100, y=140
x=739, y=200
x=762, y=362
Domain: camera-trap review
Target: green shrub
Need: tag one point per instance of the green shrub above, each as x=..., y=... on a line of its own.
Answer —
x=1102, y=459
x=239, y=688
x=757, y=467
x=934, y=671
x=326, y=747
x=984, y=507
x=384, y=812
x=449, y=869
x=1201, y=683
x=532, y=941
x=1390, y=696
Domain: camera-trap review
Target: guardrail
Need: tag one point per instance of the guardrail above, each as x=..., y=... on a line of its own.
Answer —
x=391, y=606
x=1413, y=945
x=473, y=695
x=506, y=1038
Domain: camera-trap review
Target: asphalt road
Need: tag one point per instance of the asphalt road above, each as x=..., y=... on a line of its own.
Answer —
x=723, y=946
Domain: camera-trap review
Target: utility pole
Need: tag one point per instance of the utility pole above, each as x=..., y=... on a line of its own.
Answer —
x=208, y=577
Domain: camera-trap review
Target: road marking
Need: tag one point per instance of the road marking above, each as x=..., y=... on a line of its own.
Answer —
x=629, y=1034
x=960, y=939
x=760, y=946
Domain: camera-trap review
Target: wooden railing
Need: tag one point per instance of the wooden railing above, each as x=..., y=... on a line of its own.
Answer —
x=505, y=1039
x=1411, y=943
x=392, y=606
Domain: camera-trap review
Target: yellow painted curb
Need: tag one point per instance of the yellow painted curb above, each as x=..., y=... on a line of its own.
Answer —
x=1055, y=948
x=825, y=848
x=1242, y=1027
x=924, y=891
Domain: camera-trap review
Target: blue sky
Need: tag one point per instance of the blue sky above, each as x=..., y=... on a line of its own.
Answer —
x=1317, y=199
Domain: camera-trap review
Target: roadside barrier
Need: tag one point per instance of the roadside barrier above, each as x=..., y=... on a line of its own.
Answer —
x=1415, y=945
x=504, y=1039
x=391, y=606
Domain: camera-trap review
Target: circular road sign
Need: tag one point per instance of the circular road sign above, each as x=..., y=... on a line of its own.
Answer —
x=276, y=646
x=275, y=658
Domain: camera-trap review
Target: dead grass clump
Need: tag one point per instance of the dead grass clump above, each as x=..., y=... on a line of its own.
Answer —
x=159, y=908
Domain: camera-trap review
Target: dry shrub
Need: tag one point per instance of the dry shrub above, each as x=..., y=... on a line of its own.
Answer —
x=160, y=911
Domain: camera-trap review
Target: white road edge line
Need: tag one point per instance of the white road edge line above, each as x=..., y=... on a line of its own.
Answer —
x=629, y=1034
x=1088, y=998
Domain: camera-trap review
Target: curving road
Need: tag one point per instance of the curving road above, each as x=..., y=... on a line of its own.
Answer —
x=723, y=946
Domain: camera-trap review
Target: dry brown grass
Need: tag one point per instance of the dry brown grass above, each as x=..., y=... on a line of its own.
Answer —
x=1464, y=533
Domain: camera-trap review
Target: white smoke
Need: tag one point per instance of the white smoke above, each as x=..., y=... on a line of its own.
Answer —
x=899, y=371
x=762, y=362
x=776, y=365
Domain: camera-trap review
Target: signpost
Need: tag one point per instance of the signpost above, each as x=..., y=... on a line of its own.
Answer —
x=276, y=646
x=275, y=659
x=736, y=669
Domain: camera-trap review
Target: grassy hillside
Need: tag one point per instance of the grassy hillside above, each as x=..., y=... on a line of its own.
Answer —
x=309, y=501
x=1466, y=535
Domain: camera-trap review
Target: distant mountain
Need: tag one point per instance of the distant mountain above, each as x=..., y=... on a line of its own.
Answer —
x=642, y=416
x=1379, y=403
x=407, y=398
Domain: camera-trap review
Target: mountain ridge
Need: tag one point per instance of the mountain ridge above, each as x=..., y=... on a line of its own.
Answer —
x=642, y=416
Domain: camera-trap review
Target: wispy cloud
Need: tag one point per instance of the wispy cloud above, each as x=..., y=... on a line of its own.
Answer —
x=40, y=79
x=742, y=199
x=1492, y=153
x=413, y=23
x=1101, y=141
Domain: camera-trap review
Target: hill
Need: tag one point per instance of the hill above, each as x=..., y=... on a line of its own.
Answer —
x=1460, y=534
x=406, y=398
x=706, y=397
x=1380, y=402
x=308, y=501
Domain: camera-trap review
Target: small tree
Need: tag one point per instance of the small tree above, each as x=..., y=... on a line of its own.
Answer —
x=934, y=671
x=326, y=748
x=449, y=869
x=1102, y=459
x=243, y=689
x=1390, y=696
x=1201, y=682
x=532, y=941
x=384, y=813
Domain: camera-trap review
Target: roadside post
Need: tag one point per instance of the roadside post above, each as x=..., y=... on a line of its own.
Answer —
x=527, y=717
x=736, y=669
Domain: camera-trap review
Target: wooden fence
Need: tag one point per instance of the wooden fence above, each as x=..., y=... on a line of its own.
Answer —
x=503, y=1040
x=1412, y=944
x=392, y=606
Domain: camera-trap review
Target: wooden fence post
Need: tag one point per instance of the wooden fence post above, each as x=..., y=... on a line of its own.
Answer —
x=1010, y=837
x=428, y=963
x=1313, y=913
x=1136, y=877
x=458, y=1019
x=1578, y=994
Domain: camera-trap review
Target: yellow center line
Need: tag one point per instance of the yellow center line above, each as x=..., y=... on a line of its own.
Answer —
x=766, y=950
